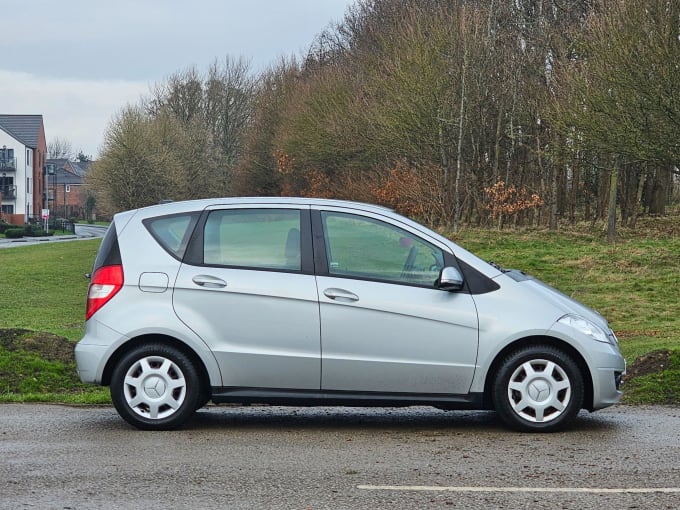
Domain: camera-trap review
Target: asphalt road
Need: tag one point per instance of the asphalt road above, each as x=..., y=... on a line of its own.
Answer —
x=272, y=457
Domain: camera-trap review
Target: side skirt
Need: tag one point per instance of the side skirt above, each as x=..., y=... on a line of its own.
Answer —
x=289, y=397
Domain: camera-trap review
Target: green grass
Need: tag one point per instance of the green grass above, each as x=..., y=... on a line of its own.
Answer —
x=634, y=283
x=43, y=286
x=662, y=387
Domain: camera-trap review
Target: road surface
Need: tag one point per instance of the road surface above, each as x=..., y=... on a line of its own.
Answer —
x=294, y=458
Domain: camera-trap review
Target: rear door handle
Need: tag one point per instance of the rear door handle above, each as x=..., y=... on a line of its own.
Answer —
x=340, y=295
x=209, y=282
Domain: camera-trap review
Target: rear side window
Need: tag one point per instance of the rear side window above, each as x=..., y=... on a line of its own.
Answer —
x=255, y=238
x=172, y=232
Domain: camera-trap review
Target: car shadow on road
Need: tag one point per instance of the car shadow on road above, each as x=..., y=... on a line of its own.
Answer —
x=259, y=418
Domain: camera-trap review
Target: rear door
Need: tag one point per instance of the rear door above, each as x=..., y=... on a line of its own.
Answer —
x=385, y=327
x=247, y=288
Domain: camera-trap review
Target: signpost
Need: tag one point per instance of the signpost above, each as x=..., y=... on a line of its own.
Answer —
x=46, y=218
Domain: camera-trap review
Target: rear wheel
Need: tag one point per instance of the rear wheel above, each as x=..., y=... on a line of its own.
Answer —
x=538, y=389
x=155, y=387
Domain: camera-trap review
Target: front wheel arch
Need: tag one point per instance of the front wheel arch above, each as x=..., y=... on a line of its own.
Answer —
x=536, y=341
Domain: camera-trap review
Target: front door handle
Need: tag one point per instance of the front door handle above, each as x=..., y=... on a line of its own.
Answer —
x=209, y=282
x=340, y=295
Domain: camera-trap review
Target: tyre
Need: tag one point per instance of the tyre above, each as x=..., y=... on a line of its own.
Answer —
x=155, y=387
x=538, y=389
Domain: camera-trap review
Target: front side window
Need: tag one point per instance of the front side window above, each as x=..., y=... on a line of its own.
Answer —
x=254, y=238
x=362, y=247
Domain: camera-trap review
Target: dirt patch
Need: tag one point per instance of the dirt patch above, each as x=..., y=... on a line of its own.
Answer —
x=49, y=346
x=655, y=361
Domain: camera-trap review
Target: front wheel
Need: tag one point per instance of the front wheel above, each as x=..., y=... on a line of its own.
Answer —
x=155, y=387
x=538, y=389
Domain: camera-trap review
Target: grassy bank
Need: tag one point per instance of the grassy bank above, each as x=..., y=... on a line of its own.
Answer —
x=634, y=283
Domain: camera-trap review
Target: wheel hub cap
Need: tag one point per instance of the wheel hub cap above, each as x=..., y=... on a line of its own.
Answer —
x=154, y=387
x=539, y=390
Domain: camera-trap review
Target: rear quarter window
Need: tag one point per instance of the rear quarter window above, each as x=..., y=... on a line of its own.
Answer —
x=172, y=232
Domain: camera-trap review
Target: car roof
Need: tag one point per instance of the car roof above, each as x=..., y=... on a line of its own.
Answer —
x=168, y=207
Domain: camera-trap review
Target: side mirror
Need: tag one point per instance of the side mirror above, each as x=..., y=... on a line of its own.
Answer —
x=450, y=278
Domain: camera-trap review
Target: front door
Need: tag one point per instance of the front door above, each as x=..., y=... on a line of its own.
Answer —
x=385, y=327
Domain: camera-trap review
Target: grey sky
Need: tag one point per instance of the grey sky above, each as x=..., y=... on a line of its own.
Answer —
x=78, y=62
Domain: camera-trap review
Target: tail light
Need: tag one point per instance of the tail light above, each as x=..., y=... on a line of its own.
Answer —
x=106, y=282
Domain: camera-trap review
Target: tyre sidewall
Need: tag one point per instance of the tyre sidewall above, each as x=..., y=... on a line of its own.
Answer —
x=191, y=399
x=505, y=372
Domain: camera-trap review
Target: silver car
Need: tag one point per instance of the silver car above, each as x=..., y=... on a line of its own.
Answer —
x=321, y=302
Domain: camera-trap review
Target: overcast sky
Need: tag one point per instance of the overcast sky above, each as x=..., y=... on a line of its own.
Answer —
x=78, y=62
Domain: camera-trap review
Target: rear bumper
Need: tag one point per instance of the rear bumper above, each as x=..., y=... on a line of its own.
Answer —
x=88, y=360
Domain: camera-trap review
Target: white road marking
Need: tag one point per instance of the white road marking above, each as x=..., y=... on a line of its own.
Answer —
x=592, y=490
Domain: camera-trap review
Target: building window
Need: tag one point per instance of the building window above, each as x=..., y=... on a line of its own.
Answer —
x=67, y=188
x=28, y=157
x=7, y=209
x=29, y=188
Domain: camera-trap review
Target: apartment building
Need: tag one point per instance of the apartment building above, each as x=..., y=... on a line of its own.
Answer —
x=23, y=154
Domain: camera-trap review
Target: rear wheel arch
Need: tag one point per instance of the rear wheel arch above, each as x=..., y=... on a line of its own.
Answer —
x=534, y=341
x=163, y=339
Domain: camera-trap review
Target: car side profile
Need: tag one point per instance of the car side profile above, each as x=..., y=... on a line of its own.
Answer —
x=296, y=301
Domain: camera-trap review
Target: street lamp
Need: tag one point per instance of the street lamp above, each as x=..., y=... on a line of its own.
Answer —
x=50, y=170
x=2, y=192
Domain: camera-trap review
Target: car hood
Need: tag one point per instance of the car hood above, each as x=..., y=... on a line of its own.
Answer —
x=558, y=299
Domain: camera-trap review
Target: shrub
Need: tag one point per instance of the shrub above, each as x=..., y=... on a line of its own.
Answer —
x=14, y=233
x=29, y=229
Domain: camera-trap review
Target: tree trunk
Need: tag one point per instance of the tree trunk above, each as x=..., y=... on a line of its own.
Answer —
x=638, y=197
x=611, y=223
x=459, y=156
x=660, y=185
x=553, y=200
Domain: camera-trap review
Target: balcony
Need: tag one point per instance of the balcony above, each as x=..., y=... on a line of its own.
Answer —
x=8, y=164
x=8, y=192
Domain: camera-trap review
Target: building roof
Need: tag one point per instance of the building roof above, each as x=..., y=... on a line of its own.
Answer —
x=25, y=128
x=73, y=171
x=63, y=176
x=80, y=168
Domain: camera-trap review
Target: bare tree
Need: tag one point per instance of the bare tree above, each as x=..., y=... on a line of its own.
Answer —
x=59, y=148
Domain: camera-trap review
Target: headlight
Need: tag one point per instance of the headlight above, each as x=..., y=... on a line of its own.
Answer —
x=587, y=328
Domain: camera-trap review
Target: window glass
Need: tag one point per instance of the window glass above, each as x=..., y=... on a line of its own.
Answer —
x=172, y=232
x=366, y=248
x=257, y=238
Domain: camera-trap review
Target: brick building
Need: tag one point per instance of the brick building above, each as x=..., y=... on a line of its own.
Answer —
x=65, y=188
